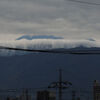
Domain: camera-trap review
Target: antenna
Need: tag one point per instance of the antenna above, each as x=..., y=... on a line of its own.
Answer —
x=60, y=85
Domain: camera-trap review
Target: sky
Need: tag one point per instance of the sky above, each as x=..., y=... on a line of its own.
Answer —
x=70, y=20
x=77, y=23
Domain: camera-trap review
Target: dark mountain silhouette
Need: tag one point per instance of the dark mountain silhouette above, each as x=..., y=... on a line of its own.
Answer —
x=40, y=69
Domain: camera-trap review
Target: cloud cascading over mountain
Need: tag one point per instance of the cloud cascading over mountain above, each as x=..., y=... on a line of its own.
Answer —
x=46, y=42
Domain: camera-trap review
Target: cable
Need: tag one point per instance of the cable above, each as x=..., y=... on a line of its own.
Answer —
x=75, y=52
x=85, y=2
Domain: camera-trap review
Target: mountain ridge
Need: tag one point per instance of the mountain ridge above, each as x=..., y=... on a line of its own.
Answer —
x=29, y=37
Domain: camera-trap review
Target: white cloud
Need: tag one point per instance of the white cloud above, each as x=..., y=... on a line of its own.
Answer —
x=46, y=44
x=50, y=43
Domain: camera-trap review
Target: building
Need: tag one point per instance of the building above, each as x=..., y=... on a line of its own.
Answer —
x=96, y=90
x=12, y=98
x=25, y=95
x=46, y=95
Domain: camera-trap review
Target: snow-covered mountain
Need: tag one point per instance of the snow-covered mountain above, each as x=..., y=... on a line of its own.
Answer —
x=47, y=43
x=40, y=69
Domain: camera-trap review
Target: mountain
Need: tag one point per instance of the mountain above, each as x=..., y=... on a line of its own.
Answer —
x=28, y=37
x=40, y=69
x=35, y=70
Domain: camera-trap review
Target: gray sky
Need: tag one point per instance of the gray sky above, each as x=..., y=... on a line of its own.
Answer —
x=49, y=17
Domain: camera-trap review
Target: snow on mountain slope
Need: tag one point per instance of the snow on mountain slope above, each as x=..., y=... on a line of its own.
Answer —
x=46, y=42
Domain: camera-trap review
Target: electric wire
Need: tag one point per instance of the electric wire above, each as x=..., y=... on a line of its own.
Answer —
x=85, y=2
x=75, y=52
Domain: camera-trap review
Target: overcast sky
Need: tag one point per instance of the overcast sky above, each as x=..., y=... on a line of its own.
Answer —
x=49, y=17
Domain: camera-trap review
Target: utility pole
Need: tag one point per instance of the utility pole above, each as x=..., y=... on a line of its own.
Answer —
x=26, y=93
x=60, y=85
x=73, y=95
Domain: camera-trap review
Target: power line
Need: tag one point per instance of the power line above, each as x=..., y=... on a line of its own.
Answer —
x=75, y=52
x=85, y=2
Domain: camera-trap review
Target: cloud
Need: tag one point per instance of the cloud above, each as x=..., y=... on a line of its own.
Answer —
x=43, y=44
x=49, y=17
